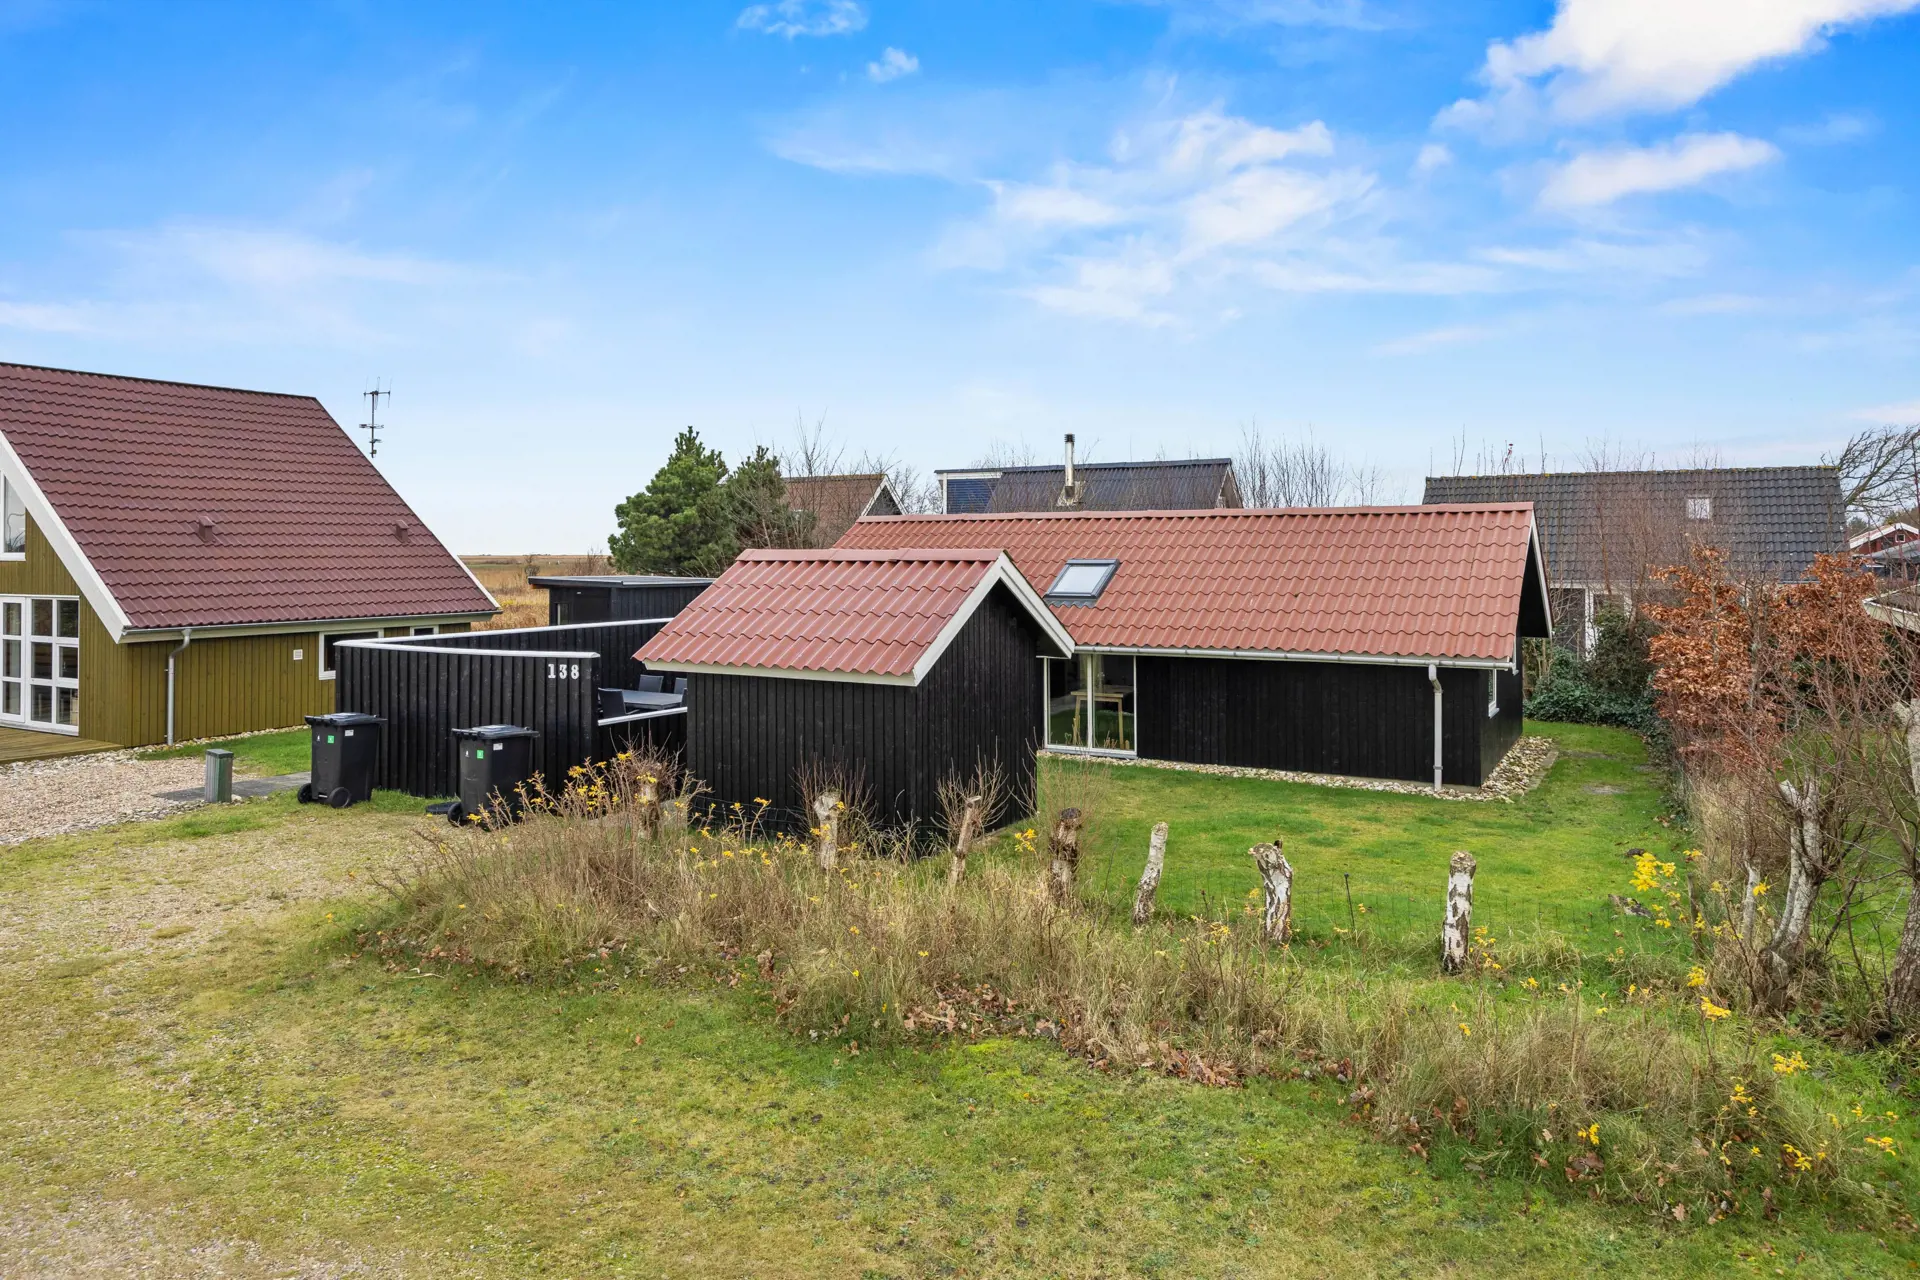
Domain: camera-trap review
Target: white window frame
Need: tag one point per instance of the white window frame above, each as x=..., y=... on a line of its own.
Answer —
x=1085, y=660
x=1699, y=506
x=12, y=500
x=324, y=663
x=1493, y=692
x=56, y=682
x=423, y=631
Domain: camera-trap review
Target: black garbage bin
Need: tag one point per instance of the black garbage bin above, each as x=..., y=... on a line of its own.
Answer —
x=494, y=760
x=344, y=745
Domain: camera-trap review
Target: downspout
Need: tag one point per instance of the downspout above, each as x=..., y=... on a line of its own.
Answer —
x=186, y=638
x=1433, y=678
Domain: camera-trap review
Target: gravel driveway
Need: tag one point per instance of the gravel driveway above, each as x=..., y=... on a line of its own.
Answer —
x=52, y=797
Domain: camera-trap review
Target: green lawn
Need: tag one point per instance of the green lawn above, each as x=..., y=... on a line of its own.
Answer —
x=197, y=1059
x=1550, y=857
x=257, y=755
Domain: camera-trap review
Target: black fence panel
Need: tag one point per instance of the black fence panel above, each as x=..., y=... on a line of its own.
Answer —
x=425, y=691
x=615, y=642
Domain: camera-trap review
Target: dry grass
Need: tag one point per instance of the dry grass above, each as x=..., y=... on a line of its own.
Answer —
x=506, y=577
x=1530, y=1075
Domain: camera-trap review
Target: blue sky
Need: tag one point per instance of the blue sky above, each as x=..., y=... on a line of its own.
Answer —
x=562, y=232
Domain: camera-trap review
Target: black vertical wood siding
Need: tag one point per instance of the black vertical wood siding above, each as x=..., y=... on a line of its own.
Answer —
x=1358, y=719
x=426, y=692
x=615, y=642
x=748, y=737
x=427, y=686
x=608, y=603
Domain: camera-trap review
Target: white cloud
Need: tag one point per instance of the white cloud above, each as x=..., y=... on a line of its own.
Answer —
x=1050, y=206
x=38, y=317
x=792, y=18
x=1714, y=304
x=1837, y=128
x=1903, y=412
x=1448, y=336
x=1432, y=157
x=893, y=64
x=1602, y=57
x=1227, y=15
x=1601, y=177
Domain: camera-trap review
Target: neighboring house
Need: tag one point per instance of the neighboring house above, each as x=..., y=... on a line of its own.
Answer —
x=1885, y=537
x=892, y=669
x=1186, y=485
x=837, y=501
x=1603, y=532
x=610, y=597
x=1377, y=642
x=181, y=561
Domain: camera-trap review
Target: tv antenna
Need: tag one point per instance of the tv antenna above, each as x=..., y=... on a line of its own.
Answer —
x=372, y=425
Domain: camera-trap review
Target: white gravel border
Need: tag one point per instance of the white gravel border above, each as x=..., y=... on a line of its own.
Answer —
x=1522, y=769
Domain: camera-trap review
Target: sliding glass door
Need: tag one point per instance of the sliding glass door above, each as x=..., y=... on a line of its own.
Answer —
x=1091, y=704
x=40, y=662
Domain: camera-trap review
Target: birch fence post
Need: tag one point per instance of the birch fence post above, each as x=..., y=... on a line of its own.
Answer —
x=826, y=811
x=1064, y=844
x=1150, y=878
x=1459, y=922
x=963, y=839
x=647, y=807
x=1276, y=883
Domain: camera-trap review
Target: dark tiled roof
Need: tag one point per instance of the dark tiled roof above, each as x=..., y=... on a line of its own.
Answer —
x=1185, y=485
x=837, y=501
x=303, y=527
x=1605, y=528
x=1445, y=583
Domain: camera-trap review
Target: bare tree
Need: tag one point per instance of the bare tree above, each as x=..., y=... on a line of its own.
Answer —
x=1879, y=470
x=814, y=452
x=1300, y=473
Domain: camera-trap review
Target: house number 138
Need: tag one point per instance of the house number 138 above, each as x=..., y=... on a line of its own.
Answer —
x=563, y=671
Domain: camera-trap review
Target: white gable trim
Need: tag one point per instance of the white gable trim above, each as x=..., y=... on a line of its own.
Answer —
x=54, y=530
x=1001, y=571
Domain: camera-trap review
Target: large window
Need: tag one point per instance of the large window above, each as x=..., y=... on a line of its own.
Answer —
x=40, y=662
x=329, y=643
x=13, y=520
x=1090, y=702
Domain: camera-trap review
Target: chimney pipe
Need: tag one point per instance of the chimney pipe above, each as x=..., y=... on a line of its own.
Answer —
x=1069, y=492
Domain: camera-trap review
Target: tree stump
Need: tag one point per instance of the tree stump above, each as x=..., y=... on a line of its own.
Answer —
x=1276, y=884
x=1150, y=878
x=826, y=813
x=1458, y=928
x=646, y=808
x=970, y=818
x=1064, y=844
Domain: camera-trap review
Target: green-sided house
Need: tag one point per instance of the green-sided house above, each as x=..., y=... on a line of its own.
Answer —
x=179, y=561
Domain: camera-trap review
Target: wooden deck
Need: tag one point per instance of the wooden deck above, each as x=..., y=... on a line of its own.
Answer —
x=27, y=744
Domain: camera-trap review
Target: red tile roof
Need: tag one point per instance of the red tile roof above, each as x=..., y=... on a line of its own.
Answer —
x=882, y=615
x=1389, y=582
x=304, y=528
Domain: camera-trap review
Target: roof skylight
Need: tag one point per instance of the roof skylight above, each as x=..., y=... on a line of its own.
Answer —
x=1082, y=581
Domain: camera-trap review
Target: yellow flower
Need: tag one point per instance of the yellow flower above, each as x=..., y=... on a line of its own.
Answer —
x=923, y=955
x=1591, y=1133
x=1696, y=977
x=1787, y=1066
x=853, y=928
x=1713, y=1011
x=856, y=973
x=1465, y=1030
x=1885, y=1144
x=1760, y=889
